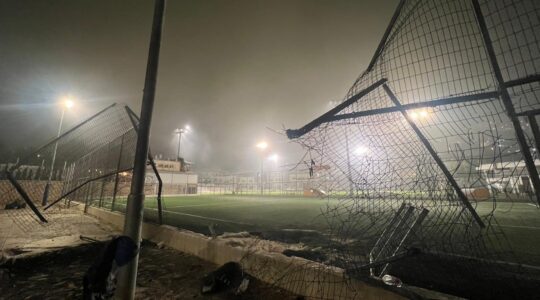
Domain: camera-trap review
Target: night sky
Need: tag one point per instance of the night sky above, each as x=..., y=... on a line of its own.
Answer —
x=229, y=69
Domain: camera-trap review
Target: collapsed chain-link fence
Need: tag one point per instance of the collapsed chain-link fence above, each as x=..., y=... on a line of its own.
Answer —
x=429, y=140
x=88, y=165
x=411, y=173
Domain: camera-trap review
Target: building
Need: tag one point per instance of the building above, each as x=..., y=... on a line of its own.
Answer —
x=510, y=176
x=176, y=176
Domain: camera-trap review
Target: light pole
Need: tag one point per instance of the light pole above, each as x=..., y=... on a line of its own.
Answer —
x=274, y=157
x=262, y=148
x=67, y=104
x=179, y=131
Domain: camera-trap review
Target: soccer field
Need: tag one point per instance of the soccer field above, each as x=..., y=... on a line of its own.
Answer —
x=233, y=213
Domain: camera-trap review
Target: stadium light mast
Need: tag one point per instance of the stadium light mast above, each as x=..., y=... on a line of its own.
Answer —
x=262, y=149
x=66, y=104
x=127, y=272
x=179, y=132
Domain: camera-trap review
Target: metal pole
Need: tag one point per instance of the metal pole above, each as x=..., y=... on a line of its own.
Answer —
x=102, y=191
x=25, y=196
x=127, y=275
x=118, y=165
x=435, y=157
x=47, y=186
x=160, y=186
x=262, y=163
x=89, y=191
x=507, y=101
x=179, y=143
x=349, y=168
x=536, y=132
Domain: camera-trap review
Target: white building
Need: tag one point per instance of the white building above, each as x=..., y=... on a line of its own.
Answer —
x=510, y=176
x=176, y=181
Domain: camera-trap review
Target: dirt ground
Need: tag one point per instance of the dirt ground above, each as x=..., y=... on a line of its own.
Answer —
x=163, y=274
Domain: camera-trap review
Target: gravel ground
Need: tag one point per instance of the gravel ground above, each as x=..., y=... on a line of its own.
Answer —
x=163, y=274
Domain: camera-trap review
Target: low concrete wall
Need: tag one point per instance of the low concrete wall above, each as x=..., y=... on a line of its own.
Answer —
x=297, y=275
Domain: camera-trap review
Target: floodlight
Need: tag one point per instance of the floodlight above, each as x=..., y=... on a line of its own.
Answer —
x=68, y=103
x=273, y=157
x=361, y=150
x=262, y=145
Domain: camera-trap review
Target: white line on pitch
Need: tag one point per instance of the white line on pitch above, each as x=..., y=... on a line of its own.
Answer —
x=201, y=217
x=218, y=204
x=524, y=227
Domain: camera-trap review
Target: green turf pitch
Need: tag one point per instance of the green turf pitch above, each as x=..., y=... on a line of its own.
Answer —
x=233, y=213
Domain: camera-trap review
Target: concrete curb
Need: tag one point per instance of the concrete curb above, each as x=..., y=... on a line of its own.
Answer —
x=297, y=275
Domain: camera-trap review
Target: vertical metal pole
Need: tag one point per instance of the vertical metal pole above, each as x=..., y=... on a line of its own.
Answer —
x=103, y=182
x=88, y=188
x=536, y=132
x=507, y=101
x=89, y=191
x=116, y=177
x=187, y=181
x=160, y=186
x=349, y=168
x=262, y=184
x=62, y=175
x=47, y=186
x=436, y=157
x=179, y=144
x=127, y=276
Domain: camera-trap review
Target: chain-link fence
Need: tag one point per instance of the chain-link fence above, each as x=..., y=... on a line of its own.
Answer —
x=430, y=140
x=427, y=170
x=88, y=165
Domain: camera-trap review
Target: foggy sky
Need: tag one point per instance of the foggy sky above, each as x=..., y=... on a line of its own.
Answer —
x=229, y=69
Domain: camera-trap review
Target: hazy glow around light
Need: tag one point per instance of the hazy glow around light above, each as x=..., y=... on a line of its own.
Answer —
x=418, y=114
x=186, y=129
x=262, y=145
x=68, y=103
x=361, y=150
x=273, y=157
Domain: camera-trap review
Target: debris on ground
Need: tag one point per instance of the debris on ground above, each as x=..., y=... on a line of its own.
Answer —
x=310, y=254
x=163, y=274
x=228, y=277
x=100, y=280
x=15, y=204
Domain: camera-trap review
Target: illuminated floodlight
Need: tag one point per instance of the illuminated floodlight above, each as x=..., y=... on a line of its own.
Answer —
x=418, y=114
x=274, y=157
x=262, y=145
x=361, y=150
x=69, y=103
x=186, y=129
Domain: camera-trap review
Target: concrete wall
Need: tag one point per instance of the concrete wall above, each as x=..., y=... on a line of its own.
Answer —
x=300, y=276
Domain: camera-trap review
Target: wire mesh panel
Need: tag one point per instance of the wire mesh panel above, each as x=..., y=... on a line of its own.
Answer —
x=427, y=125
x=87, y=165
